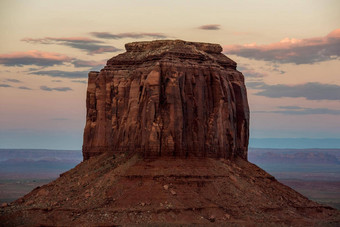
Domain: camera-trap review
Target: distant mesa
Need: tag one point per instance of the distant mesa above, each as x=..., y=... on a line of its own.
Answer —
x=168, y=98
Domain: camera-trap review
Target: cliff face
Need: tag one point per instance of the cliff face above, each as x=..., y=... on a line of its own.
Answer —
x=168, y=98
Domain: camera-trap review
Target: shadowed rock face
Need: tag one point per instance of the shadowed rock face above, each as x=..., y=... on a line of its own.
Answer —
x=168, y=98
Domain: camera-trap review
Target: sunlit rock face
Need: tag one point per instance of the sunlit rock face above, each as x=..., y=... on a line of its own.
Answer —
x=168, y=98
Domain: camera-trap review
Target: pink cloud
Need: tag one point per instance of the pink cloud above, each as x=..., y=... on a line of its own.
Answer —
x=290, y=50
x=40, y=58
x=37, y=54
x=33, y=57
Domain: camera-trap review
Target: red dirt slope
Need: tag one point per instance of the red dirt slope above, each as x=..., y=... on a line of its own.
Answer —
x=108, y=190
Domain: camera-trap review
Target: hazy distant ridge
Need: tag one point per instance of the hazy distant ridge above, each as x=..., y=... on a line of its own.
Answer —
x=295, y=143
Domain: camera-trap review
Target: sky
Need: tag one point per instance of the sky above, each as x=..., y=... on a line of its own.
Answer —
x=288, y=51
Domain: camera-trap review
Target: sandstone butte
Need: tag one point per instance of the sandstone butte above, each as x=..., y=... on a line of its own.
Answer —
x=168, y=98
x=165, y=143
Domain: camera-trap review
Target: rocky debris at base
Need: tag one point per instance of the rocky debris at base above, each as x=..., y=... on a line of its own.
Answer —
x=130, y=191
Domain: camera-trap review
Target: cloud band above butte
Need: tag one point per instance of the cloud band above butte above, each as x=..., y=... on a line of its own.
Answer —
x=296, y=51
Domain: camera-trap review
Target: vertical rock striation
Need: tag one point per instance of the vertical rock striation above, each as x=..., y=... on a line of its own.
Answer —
x=168, y=98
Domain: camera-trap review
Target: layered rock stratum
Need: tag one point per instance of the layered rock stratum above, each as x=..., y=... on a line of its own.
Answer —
x=165, y=143
x=168, y=98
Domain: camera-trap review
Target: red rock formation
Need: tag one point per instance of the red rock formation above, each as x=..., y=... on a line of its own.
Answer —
x=168, y=98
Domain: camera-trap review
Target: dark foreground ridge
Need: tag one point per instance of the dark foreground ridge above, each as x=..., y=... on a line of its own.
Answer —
x=168, y=98
x=122, y=190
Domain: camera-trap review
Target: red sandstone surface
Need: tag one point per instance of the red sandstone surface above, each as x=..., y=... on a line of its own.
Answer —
x=168, y=98
x=107, y=190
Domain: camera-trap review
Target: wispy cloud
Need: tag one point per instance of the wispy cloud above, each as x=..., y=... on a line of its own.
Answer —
x=132, y=35
x=91, y=46
x=5, y=85
x=13, y=80
x=99, y=49
x=310, y=91
x=62, y=74
x=276, y=68
x=82, y=63
x=297, y=110
x=256, y=84
x=45, y=88
x=80, y=81
x=10, y=86
x=24, y=88
x=210, y=27
x=250, y=72
x=49, y=40
x=297, y=51
x=33, y=57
